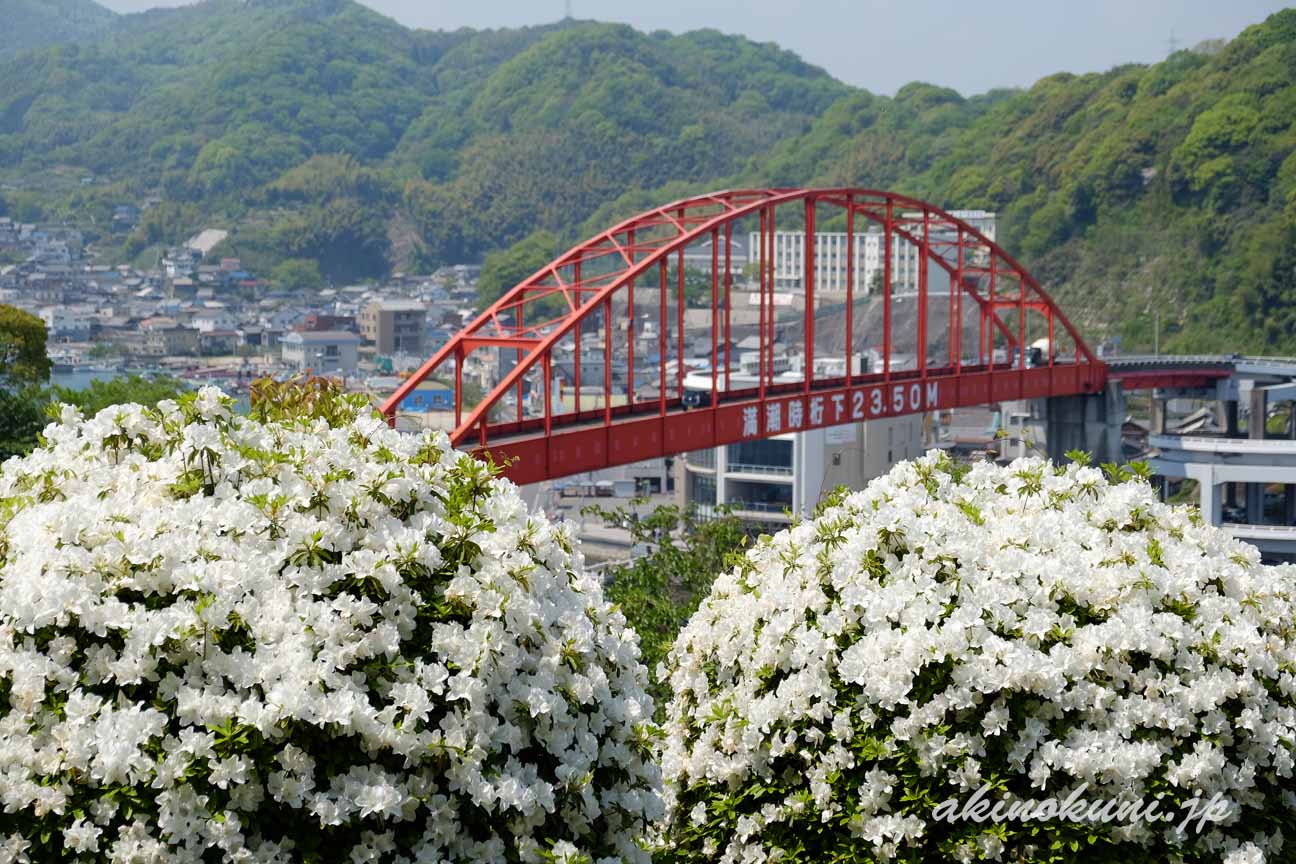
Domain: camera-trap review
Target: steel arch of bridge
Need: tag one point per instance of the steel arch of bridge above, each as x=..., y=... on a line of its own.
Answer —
x=584, y=285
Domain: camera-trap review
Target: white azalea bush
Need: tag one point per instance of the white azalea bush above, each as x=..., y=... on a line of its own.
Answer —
x=226, y=638
x=1037, y=630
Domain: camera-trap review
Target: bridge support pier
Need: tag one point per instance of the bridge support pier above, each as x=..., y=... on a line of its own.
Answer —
x=1257, y=416
x=1209, y=500
x=1089, y=423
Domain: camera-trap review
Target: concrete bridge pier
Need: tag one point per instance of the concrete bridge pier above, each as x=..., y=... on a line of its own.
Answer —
x=1089, y=423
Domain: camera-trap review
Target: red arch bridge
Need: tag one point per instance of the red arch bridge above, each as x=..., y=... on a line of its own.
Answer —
x=748, y=313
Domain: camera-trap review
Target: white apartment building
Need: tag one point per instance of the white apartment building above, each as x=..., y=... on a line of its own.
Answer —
x=214, y=319
x=982, y=220
x=869, y=261
x=327, y=352
x=830, y=260
x=72, y=323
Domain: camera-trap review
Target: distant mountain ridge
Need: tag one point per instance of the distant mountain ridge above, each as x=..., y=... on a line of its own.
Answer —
x=1165, y=188
x=30, y=24
x=471, y=138
x=319, y=129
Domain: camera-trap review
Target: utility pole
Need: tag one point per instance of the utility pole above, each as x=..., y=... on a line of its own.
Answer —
x=1156, y=333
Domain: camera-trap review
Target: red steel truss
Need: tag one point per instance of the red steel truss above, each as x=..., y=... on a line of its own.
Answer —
x=949, y=320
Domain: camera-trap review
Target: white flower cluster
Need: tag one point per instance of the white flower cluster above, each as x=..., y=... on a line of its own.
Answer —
x=271, y=641
x=1027, y=627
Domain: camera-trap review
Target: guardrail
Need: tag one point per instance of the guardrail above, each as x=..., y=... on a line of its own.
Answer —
x=749, y=468
x=1220, y=444
x=1247, y=529
x=1120, y=360
x=757, y=506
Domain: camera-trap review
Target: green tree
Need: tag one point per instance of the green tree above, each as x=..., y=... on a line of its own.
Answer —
x=296, y=274
x=346, y=236
x=22, y=416
x=23, y=361
x=24, y=206
x=168, y=222
x=697, y=286
x=660, y=589
x=24, y=369
x=503, y=269
x=119, y=391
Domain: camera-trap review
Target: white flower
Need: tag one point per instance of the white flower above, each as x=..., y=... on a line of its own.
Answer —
x=1248, y=853
x=1031, y=625
x=82, y=836
x=282, y=635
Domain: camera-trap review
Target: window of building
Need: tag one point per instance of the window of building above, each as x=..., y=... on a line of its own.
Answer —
x=768, y=456
x=652, y=486
x=702, y=489
x=701, y=458
x=759, y=497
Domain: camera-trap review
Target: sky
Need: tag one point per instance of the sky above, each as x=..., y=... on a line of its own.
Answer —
x=882, y=44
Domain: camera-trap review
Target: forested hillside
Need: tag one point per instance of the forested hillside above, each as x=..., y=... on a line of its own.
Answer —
x=1169, y=187
x=467, y=139
x=317, y=129
x=28, y=24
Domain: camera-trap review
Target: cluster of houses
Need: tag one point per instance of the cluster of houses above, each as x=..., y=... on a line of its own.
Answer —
x=195, y=312
x=40, y=244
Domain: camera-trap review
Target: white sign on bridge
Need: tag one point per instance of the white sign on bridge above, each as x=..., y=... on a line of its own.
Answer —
x=832, y=409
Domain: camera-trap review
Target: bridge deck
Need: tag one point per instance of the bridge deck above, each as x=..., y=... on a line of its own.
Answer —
x=575, y=443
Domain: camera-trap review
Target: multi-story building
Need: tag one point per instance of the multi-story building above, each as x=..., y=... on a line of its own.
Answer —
x=178, y=264
x=768, y=479
x=44, y=289
x=830, y=250
x=68, y=323
x=698, y=256
x=831, y=268
x=394, y=326
x=324, y=351
x=172, y=341
x=210, y=320
x=982, y=220
x=218, y=342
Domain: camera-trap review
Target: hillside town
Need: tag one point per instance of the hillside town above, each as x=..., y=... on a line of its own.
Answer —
x=207, y=319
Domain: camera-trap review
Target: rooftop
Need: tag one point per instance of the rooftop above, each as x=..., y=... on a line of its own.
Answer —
x=401, y=305
x=318, y=337
x=207, y=240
